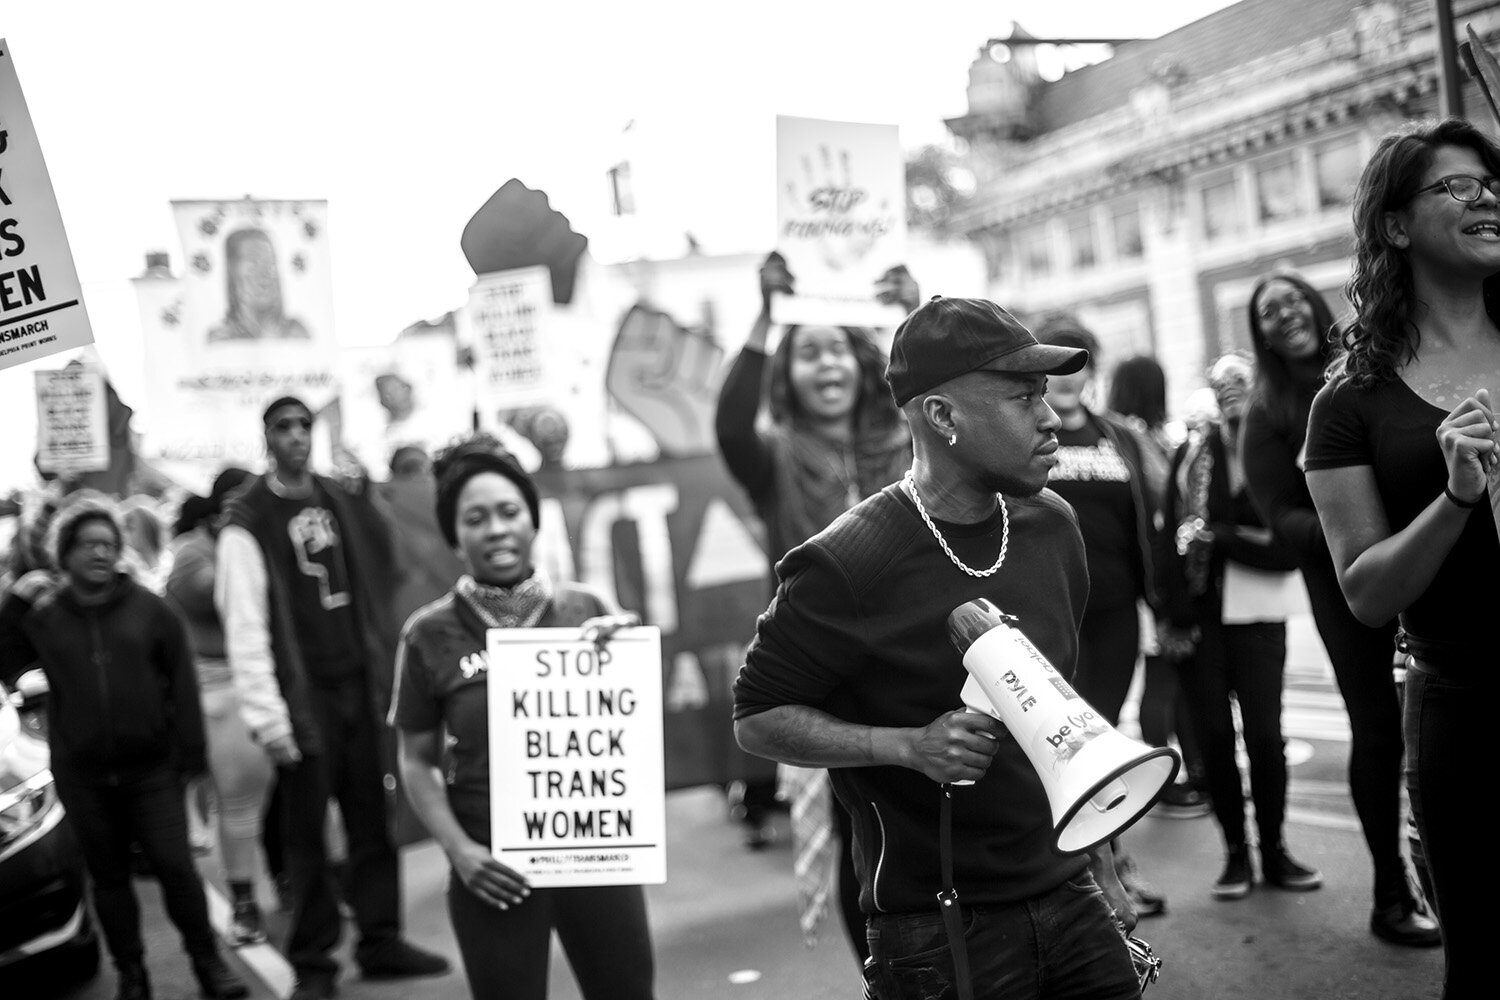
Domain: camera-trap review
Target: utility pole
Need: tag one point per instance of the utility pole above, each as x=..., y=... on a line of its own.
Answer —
x=1450, y=76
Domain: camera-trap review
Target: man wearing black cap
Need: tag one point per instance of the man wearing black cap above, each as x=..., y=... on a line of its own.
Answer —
x=300, y=560
x=852, y=669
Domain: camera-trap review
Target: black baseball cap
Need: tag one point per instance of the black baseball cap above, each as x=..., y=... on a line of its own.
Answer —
x=945, y=338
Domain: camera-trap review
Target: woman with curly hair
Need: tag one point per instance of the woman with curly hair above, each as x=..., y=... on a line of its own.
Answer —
x=1290, y=324
x=1400, y=453
x=832, y=437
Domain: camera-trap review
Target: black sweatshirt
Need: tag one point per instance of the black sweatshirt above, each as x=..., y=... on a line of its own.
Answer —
x=858, y=629
x=124, y=697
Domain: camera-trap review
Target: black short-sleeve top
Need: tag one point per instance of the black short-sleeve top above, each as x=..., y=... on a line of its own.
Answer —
x=1394, y=431
x=441, y=676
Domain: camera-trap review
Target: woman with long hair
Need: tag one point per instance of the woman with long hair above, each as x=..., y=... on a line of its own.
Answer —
x=488, y=510
x=831, y=436
x=238, y=769
x=1290, y=327
x=1401, y=458
x=1223, y=581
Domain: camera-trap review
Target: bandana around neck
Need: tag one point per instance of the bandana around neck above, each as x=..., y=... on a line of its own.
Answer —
x=521, y=606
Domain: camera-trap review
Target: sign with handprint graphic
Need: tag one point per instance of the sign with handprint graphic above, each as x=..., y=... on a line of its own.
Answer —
x=841, y=219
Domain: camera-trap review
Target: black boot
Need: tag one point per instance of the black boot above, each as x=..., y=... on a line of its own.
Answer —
x=216, y=979
x=133, y=985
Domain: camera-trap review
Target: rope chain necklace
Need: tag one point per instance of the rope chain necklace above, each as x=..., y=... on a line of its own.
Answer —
x=911, y=487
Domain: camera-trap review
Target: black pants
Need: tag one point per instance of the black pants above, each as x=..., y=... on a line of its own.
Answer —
x=350, y=770
x=148, y=811
x=1109, y=643
x=1246, y=662
x=1362, y=657
x=603, y=931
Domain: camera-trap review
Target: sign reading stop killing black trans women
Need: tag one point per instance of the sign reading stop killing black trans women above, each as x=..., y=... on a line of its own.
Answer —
x=577, y=777
x=41, y=302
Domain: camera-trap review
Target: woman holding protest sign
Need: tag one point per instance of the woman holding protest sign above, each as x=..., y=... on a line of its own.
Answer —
x=487, y=508
x=1401, y=461
x=832, y=438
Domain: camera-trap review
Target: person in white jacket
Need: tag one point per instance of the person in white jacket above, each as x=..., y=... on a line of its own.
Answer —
x=302, y=565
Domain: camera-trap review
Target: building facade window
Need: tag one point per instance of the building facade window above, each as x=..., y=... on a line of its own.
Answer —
x=1277, y=191
x=1223, y=214
x=1036, y=250
x=1125, y=219
x=1337, y=165
x=1083, y=247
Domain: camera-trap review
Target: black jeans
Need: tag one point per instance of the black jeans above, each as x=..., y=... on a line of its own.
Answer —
x=1247, y=662
x=1362, y=659
x=1059, y=945
x=148, y=811
x=350, y=770
x=603, y=931
x=1449, y=748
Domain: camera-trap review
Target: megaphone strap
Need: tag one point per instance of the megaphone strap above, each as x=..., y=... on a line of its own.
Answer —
x=948, y=900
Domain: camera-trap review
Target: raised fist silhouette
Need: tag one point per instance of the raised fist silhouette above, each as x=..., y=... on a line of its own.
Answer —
x=666, y=376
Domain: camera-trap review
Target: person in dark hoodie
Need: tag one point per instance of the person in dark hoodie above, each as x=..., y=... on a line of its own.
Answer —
x=124, y=728
x=301, y=589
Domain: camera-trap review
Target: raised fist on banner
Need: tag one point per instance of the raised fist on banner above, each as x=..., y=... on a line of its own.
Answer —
x=666, y=376
x=518, y=227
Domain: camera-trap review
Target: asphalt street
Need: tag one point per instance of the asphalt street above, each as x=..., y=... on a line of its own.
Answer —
x=725, y=923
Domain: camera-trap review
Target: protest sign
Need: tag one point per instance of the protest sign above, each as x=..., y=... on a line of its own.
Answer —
x=841, y=219
x=250, y=319
x=577, y=782
x=41, y=301
x=505, y=324
x=72, y=420
x=408, y=392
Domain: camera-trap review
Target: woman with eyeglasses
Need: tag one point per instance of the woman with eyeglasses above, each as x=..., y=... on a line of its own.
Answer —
x=1290, y=327
x=1401, y=458
x=1222, y=579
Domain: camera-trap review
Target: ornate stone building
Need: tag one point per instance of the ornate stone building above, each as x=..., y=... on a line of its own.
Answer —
x=1147, y=192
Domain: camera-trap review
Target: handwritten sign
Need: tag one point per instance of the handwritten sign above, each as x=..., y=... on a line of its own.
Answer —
x=72, y=420
x=577, y=780
x=504, y=324
x=841, y=219
x=41, y=301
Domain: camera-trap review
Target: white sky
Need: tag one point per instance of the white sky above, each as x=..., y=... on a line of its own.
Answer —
x=407, y=117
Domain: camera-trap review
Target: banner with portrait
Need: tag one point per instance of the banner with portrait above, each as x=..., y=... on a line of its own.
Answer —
x=840, y=219
x=249, y=319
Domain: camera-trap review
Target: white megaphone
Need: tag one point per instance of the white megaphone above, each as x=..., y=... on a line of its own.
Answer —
x=1097, y=780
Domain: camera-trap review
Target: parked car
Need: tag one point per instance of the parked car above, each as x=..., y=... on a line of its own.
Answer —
x=44, y=914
